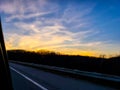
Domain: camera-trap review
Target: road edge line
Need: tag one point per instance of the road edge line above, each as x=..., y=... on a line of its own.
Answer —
x=40, y=86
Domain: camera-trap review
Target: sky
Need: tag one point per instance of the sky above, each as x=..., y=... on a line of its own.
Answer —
x=76, y=27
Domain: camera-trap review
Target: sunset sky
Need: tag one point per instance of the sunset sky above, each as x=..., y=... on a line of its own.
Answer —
x=79, y=27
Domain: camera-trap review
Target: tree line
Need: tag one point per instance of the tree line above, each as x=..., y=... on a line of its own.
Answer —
x=86, y=63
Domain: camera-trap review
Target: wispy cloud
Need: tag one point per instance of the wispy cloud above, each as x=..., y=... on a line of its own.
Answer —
x=47, y=32
x=26, y=16
x=20, y=9
x=40, y=24
x=48, y=37
x=76, y=14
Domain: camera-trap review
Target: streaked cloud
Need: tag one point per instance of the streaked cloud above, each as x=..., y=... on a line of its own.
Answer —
x=42, y=24
x=49, y=37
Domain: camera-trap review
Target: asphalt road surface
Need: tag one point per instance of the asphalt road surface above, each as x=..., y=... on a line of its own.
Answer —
x=28, y=78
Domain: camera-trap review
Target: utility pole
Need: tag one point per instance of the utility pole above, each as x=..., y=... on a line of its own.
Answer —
x=5, y=76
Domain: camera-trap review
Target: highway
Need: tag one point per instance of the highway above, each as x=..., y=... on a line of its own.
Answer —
x=29, y=78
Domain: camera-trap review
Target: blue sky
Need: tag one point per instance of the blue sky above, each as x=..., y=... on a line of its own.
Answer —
x=84, y=27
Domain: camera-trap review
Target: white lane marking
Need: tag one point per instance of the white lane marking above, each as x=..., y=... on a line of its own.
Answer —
x=40, y=86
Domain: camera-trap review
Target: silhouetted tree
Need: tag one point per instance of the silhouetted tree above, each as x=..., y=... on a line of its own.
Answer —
x=102, y=65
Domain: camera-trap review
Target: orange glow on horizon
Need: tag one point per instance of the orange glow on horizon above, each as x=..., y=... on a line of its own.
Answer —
x=62, y=51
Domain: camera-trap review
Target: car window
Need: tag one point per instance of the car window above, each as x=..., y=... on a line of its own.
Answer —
x=60, y=44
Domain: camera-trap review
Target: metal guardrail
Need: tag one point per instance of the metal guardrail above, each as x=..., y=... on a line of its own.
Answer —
x=95, y=75
x=104, y=79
